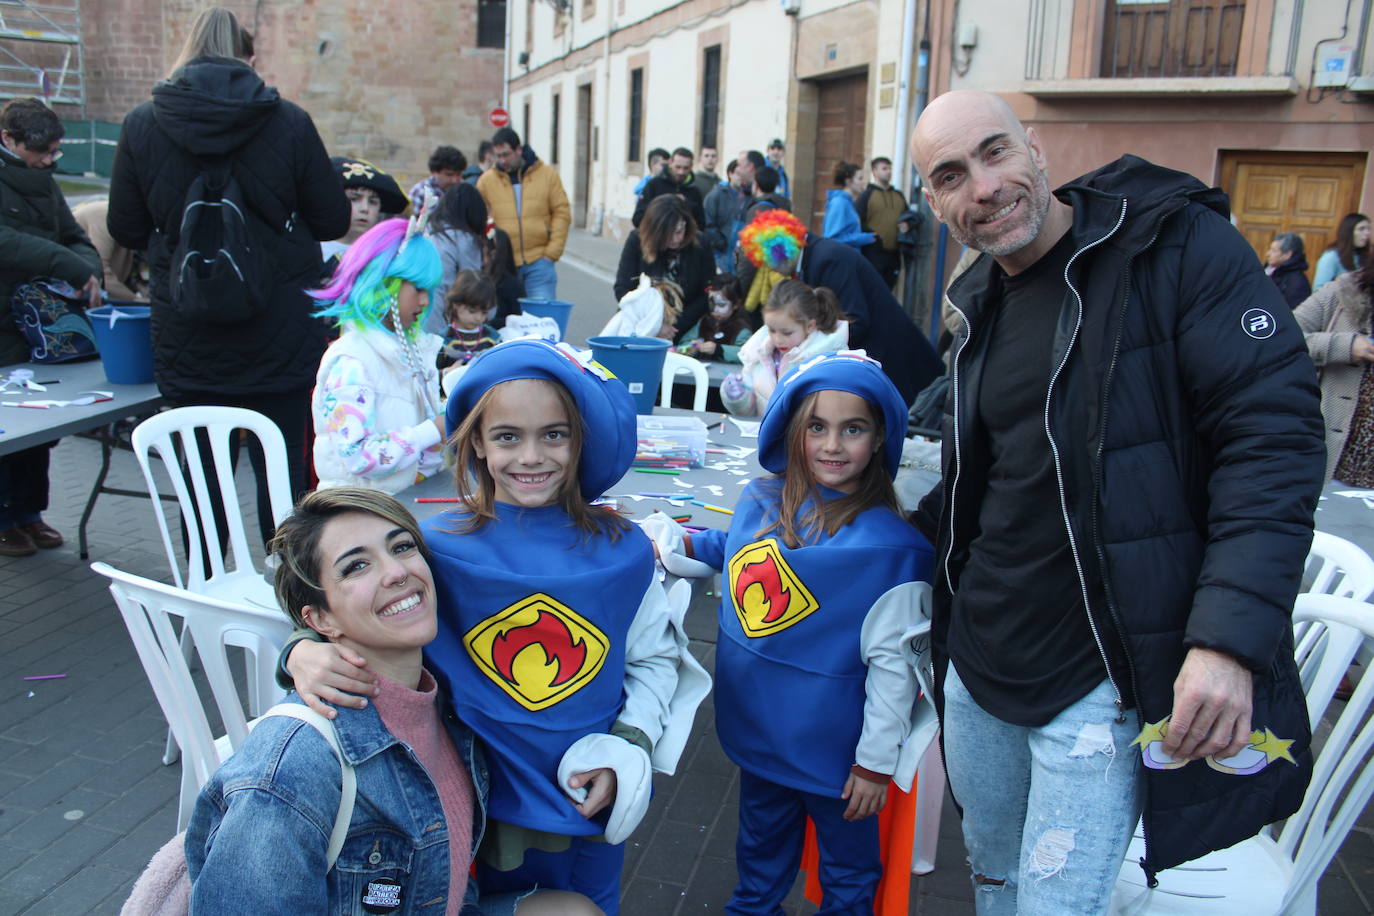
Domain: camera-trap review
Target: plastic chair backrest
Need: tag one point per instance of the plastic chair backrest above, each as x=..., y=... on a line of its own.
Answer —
x=1339, y=567
x=673, y=363
x=148, y=608
x=1343, y=775
x=172, y=434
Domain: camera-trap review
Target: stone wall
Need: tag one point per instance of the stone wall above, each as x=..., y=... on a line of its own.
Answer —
x=387, y=82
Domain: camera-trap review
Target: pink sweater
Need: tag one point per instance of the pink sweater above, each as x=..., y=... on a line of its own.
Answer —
x=415, y=718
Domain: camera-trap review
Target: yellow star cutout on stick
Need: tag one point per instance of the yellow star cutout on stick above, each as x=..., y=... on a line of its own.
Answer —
x=1154, y=731
x=1274, y=747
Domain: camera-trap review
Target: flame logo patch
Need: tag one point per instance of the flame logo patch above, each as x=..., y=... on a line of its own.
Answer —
x=768, y=596
x=538, y=650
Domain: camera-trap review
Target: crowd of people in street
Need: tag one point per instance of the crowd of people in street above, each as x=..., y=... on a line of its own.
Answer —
x=1106, y=642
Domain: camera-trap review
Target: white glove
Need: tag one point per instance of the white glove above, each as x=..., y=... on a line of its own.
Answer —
x=670, y=537
x=633, y=779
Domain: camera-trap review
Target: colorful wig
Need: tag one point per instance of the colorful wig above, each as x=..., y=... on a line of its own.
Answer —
x=369, y=276
x=773, y=239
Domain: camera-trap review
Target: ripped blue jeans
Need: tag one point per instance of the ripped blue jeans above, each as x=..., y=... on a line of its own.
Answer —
x=1048, y=811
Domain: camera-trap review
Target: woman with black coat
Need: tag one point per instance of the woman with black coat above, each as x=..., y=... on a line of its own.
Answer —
x=214, y=110
x=665, y=247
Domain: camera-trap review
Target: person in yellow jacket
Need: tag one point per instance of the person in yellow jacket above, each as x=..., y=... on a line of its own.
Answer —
x=526, y=199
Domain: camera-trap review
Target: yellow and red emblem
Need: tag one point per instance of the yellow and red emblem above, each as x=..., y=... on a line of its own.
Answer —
x=538, y=650
x=767, y=594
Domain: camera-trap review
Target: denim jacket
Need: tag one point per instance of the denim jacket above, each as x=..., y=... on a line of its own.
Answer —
x=258, y=835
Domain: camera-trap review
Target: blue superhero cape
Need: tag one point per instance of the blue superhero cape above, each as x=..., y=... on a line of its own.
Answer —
x=533, y=618
x=790, y=679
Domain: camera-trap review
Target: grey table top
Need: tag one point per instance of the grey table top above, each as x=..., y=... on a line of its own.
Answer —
x=23, y=427
x=719, y=482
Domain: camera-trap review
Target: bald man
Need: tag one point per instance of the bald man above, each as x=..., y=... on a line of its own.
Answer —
x=1132, y=457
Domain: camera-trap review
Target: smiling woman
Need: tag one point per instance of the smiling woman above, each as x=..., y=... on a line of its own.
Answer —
x=353, y=568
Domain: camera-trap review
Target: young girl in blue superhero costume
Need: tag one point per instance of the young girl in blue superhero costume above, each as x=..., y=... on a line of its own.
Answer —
x=555, y=639
x=821, y=580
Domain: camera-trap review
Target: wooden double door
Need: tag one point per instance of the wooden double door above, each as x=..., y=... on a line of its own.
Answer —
x=1302, y=192
x=841, y=112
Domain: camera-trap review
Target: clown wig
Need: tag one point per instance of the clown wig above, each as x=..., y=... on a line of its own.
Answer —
x=773, y=239
x=369, y=276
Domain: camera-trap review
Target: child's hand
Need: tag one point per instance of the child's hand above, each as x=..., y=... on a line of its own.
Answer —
x=866, y=797
x=323, y=671
x=600, y=785
x=706, y=347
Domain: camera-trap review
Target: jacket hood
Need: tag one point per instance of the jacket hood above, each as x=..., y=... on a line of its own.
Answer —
x=1298, y=263
x=213, y=105
x=833, y=193
x=1150, y=193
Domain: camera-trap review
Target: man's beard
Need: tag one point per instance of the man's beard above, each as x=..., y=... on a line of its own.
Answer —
x=1013, y=239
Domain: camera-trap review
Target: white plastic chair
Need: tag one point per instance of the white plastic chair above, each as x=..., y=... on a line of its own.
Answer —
x=673, y=363
x=1338, y=567
x=172, y=436
x=148, y=608
x=1264, y=874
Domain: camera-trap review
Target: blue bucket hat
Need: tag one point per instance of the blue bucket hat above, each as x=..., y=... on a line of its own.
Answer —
x=846, y=370
x=609, y=434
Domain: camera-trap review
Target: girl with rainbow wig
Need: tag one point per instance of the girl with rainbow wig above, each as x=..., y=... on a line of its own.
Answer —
x=376, y=409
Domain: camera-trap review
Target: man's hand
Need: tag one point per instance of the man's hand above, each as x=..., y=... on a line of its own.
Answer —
x=92, y=292
x=1362, y=350
x=600, y=785
x=1212, y=705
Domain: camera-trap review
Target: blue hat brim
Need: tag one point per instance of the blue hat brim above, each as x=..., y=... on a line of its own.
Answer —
x=832, y=372
x=609, y=432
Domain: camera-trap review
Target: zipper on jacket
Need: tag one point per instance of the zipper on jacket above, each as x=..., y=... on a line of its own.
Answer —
x=958, y=465
x=1059, y=470
x=1150, y=878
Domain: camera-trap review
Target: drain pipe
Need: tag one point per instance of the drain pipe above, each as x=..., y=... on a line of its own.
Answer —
x=506, y=59
x=899, y=171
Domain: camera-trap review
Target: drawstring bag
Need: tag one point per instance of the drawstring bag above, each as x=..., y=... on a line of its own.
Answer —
x=51, y=315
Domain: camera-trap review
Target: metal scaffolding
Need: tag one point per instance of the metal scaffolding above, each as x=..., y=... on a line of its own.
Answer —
x=40, y=51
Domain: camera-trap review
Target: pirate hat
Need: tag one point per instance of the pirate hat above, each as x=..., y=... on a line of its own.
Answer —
x=359, y=173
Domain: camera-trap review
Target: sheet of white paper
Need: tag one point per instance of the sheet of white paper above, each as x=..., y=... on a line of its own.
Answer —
x=749, y=429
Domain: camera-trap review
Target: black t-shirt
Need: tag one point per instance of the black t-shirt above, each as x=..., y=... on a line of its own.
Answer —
x=1019, y=633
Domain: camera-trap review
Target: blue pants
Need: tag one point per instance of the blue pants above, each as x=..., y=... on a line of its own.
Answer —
x=772, y=828
x=1048, y=811
x=540, y=279
x=590, y=867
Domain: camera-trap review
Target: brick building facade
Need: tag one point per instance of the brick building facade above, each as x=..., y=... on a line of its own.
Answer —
x=388, y=83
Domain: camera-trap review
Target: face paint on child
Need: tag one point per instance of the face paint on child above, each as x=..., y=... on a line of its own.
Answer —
x=841, y=439
x=526, y=442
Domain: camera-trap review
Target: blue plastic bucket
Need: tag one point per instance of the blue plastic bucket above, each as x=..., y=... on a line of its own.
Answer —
x=123, y=335
x=556, y=309
x=636, y=361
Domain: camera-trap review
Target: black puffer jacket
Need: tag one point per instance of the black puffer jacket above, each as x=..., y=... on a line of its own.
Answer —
x=217, y=107
x=38, y=238
x=1187, y=433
